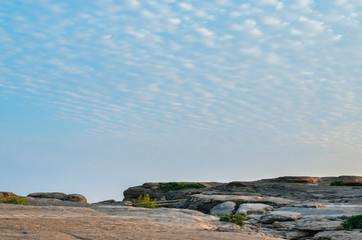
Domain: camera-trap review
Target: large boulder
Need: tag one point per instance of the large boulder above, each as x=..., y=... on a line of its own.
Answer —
x=338, y=235
x=350, y=180
x=253, y=209
x=294, y=179
x=147, y=188
x=222, y=209
x=60, y=196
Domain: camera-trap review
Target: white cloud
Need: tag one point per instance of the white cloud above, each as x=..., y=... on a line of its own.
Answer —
x=186, y=6
x=205, y=32
x=174, y=21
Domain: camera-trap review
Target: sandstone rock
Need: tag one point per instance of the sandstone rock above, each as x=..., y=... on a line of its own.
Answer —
x=253, y=208
x=350, y=180
x=7, y=194
x=75, y=198
x=148, y=188
x=223, y=209
x=280, y=216
x=56, y=195
x=338, y=235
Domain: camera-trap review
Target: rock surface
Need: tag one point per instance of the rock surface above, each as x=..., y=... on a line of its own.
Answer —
x=222, y=209
x=253, y=209
x=116, y=222
x=60, y=196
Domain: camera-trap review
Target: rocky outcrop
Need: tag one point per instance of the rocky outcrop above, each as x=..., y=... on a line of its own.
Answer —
x=288, y=207
x=7, y=194
x=60, y=196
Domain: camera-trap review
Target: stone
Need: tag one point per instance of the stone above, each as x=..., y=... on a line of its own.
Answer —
x=56, y=195
x=7, y=194
x=75, y=198
x=296, y=234
x=294, y=179
x=281, y=216
x=253, y=208
x=181, y=194
x=222, y=209
x=350, y=180
x=338, y=235
x=315, y=226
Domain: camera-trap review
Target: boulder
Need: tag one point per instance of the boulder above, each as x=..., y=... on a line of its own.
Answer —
x=7, y=194
x=223, y=209
x=151, y=189
x=316, y=226
x=181, y=194
x=293, y=179
x=56, y=195
x=75, y=198
x=60, y=196
x=253, y=209
x=281, y=216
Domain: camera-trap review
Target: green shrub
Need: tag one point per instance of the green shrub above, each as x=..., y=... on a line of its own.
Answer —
x=237, y=219
x=145, y=202
x=249, y=191
x=353, y=222
x=337, y=183
x=15, y=200
x=178, y=186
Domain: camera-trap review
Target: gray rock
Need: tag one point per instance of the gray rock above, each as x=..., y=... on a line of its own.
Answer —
x=55, y=195
x=75, y=198
x=253, y=208
x=314, y=226
x=338, y=235
x=281, y=216
x=296, y=234
x=223, y=209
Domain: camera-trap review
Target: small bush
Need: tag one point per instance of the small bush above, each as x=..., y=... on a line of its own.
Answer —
x=178, y=186
x=237, y=219
x=337, y=183
x=249, y=191
x=15, y=200
x=145, y=202
x=353, y=222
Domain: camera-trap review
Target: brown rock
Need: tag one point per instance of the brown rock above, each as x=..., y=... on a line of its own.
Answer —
x=350, y=180
x=7, y=194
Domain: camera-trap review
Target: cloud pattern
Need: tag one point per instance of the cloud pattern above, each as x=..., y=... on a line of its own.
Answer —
x=166, y=69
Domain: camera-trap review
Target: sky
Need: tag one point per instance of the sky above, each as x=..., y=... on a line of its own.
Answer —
x=98, y=97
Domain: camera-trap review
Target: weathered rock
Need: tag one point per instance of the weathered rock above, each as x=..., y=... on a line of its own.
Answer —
x=56, y=195
x=181, y=194
x=314, y=226
x=223, y=209
x=281, y=216
x=253, y=208
x=147, y=188
x=75, y=198
x=350, y=180
x=293, y=179
x=7, y=194
x=60, y=196
x=296, y=234
x=338, y=235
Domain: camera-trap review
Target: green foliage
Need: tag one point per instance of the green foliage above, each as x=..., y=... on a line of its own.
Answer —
x=15, y=200
x=353, y=222
x=145, y=202
x=337, y=183
x=178, y=186
x=249, y=191
x=237, y=219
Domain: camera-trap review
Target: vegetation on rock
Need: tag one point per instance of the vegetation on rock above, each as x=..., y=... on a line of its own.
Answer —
x=237, y=219
x=145, y=202
x=353, y=222
x=337, y=183
x=178, y=186
x=15, y=200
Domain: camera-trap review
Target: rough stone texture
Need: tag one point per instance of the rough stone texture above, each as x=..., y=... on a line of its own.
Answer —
x=223, y=209
x=314, y=226
x=7, y=194
x=75, y=198
x=338, y=235
x=281, y=216
x=253, y=208
x=351, y=180
x=293, y=179
x=56, y=195
x=60, y=196
x=181, y=194
x=110, y=222
x=296, y=234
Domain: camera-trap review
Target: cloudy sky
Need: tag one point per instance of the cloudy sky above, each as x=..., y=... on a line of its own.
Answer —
x=98, y=97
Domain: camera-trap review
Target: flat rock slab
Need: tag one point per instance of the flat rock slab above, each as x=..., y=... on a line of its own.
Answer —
x=281, y=216
x=338, y=235
x=111, y=222
x=314, y=226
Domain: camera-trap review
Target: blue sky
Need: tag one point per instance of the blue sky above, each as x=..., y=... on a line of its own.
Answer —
x=98, y=97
